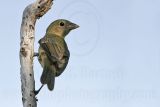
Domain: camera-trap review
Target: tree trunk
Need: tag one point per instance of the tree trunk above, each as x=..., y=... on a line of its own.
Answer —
x=31, y=13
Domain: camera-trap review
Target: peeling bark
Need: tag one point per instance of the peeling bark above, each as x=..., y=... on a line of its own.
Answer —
x=27, y=33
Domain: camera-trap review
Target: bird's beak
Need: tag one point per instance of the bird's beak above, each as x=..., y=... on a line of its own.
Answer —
x=72, y=26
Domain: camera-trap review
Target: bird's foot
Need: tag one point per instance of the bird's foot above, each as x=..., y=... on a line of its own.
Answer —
x=36, y=54
x=36, y=99
x=37, y=91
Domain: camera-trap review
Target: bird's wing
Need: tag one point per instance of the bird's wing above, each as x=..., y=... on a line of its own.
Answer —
x=55, y=49
x=44, y=44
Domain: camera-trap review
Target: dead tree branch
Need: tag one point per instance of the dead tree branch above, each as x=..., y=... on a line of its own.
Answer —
x=27, y=34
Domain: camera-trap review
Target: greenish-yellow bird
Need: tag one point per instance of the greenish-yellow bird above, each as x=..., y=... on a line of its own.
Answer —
x=53, y=51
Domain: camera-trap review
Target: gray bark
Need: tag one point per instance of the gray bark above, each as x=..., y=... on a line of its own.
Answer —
x=27, y=34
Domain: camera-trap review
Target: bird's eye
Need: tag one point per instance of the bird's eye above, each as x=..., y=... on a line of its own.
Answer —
x=61, y=24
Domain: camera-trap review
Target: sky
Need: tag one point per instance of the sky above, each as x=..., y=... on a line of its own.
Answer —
x=115, y=54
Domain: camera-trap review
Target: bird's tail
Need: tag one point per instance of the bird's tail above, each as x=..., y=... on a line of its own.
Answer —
x=48, y=78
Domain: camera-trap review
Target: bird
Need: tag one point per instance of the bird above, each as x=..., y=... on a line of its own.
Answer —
x=53, y=52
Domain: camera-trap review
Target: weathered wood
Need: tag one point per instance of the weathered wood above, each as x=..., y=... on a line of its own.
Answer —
x=31, y=13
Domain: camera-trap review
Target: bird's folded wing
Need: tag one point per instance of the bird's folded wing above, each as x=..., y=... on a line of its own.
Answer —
x=54, y=50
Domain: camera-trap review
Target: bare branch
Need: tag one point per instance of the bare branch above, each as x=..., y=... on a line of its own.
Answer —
x=31, y=13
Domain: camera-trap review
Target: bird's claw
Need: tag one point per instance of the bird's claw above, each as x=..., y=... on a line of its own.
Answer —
x=36, y=54
x=36, y=92
x=36, y=99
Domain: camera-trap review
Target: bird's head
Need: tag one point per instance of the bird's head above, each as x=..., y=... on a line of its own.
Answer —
x=61, y=27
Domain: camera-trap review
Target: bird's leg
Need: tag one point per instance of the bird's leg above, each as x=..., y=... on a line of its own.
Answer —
x=37, y=91
x=35, y=54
